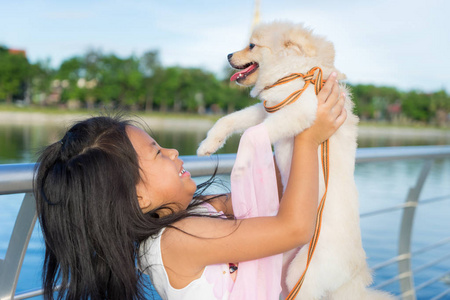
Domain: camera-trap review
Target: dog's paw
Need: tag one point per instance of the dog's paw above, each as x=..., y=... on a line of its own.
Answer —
x=209, y=146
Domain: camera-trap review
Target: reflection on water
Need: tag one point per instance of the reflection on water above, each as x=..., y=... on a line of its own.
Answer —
x=20, y=143
x=388, y=140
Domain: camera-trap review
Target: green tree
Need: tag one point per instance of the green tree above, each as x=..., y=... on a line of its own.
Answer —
x=152, y=70
x=439, y=101
x=167, y=89
x=198, y=88
x=440, y=107
x=14, y=74
x=372, y=102
x=41, y=74
x=106, y=79
x=71, y=70
x=416, y=106
x=119, y=81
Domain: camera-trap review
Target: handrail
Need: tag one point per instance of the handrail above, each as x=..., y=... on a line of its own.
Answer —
x=18, y=178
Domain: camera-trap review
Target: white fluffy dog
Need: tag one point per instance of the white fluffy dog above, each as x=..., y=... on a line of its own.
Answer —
x=338, y=269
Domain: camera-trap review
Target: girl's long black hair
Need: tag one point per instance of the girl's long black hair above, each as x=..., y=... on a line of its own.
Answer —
x=85, y=190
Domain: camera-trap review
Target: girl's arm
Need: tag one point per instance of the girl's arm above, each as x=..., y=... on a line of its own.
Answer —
x=212, y=241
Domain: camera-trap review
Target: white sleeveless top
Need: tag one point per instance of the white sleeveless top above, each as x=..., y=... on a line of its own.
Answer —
x=215, y=282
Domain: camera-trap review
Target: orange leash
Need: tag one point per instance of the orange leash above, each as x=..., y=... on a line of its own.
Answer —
x=325, y=149
x=325, y=154
x=308, y=78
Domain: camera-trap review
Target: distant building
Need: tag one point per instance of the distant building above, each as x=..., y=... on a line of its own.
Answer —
x=18, y=52
x=394, y=111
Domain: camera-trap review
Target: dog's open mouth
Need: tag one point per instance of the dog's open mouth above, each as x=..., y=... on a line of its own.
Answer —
x=247, y=69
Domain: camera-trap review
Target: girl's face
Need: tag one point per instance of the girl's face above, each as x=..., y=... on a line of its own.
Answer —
x=163, y=178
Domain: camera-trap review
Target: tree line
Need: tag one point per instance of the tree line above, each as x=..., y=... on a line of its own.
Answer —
x=142, y=83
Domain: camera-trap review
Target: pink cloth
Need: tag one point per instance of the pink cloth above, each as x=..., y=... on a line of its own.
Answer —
x=255, y=194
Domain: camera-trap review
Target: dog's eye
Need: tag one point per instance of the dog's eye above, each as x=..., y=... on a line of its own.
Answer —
x=251, y=46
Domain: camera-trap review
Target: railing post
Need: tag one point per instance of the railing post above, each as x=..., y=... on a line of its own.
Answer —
x=18, y=244
x=404, y=246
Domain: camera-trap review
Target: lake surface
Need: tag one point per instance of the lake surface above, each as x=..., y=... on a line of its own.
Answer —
x=379, y=184
x=21, y=143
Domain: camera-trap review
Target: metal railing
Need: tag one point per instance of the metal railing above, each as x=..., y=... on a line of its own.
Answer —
x=17, y=178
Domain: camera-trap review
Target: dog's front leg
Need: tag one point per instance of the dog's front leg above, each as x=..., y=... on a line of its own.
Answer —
x=227, y=125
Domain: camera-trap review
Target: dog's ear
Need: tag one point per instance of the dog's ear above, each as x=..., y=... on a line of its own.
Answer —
x=301, y=41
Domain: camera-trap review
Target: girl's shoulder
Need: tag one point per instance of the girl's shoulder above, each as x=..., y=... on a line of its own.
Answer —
x=201, y=212
x=219, y=203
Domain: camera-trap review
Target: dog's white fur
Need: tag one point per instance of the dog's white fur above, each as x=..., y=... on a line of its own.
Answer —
x=338, y=269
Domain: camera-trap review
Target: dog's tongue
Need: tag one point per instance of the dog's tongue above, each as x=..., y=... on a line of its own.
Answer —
x=246, y=70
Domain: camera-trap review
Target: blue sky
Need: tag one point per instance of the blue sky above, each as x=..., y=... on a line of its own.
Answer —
x=399, y=43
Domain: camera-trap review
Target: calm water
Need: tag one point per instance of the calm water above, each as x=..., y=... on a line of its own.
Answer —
x=379, y=184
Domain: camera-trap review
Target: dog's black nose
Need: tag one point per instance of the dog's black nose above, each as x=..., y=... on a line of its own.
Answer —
x=229, y=56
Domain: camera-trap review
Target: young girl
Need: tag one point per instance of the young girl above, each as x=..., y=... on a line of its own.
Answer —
x=107, y=187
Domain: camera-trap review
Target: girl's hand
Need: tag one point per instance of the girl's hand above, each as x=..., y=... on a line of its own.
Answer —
x=331, y=113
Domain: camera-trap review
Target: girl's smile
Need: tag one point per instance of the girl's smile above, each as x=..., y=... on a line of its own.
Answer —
x=164, y=181
x=184, y=173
